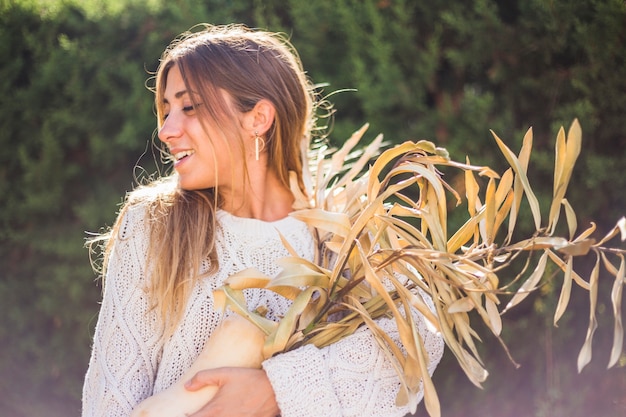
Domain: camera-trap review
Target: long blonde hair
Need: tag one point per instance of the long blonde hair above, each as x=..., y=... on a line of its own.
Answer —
x=250, y=65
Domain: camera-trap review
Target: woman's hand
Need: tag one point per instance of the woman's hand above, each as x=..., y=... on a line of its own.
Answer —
x=241, y=392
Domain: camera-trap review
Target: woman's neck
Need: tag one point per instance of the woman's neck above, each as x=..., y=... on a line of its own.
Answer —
x=264, y=197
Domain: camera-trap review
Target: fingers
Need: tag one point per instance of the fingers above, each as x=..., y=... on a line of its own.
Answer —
x=240, y=392
x=204, y=378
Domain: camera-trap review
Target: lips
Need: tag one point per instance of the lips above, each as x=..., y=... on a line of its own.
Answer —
x=179, y=156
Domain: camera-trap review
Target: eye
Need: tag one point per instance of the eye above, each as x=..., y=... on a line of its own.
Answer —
x=191, y=107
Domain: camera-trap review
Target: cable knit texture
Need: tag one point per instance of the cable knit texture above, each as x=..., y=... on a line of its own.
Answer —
x=130, y=362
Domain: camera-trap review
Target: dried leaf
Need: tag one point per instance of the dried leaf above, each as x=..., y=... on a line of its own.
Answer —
x=585, y=234
x=329, y=332
x=490, y=211
x=569, y=152
x=543, y=242
x=374, y=184
x=435, y=218
x=570, y=215
x=616, y=300
x=585, y=352
x=301, y=201
x=504, y=210
x=471, y=192
x=247, y=278
x=494, y=316
x=235, y=300
x=368, y=153
x=431, y=400
x=462, y=305
x=434, y=181
x=559, y=262
x=566, y=290
x=521, y=174
x=620, y=227
x=278, y=339
x=464, y=234
x=518, y=186
x=337, y=223
x=298, y=277
x=530, y=284
x=339, y=157
x=504, y=186
x=578, y=248
x=560, y=156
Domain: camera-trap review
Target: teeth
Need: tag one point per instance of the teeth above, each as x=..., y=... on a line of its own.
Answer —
x=180, y=155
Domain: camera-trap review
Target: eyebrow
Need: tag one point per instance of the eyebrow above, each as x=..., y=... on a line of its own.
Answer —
x=177, y=95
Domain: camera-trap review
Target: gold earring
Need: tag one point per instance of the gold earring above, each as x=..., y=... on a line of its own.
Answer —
x=259, y=145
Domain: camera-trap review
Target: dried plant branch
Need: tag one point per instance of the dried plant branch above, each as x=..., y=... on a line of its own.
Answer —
x=372, y=232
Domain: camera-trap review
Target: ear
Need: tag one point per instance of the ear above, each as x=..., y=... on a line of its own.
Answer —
x=260, y=118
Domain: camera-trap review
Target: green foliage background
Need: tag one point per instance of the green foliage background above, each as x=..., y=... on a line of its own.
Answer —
x=76, y=124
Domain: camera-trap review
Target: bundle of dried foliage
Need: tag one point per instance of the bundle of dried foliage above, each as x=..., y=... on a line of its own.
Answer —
x=384, y=241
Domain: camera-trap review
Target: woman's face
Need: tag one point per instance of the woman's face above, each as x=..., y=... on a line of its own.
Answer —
x=202, y=158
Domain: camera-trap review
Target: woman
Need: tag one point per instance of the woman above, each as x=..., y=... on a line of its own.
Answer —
x=235, y=112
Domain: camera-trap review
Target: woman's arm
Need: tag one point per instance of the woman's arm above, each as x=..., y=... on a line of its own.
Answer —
x=126, y=349
x=352, y=377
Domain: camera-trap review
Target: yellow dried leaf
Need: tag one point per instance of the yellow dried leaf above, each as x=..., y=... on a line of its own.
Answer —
x=570, y=215
x=368, y=153
x=474, y=368
x=559, y=262
x=578, y=248
x=381, y=162
x=494, y=316
x=490, y=211
x=405, y=230
x=471, y=192
x=616, y=301
x=504, y=186
x=462, y=305
x=247, y=278
x=431, y=400
x=521, y=174
x=620, y=227
x=585, y=234
x=566, y=290
x=330, y=332
x=503, y=211
x=299, y=276
x=278, y=339
x=226, y=297
x=542, y=242
x=585, y=352
x=560, y=168
x=339, y=156
x=518, y=186
x=566, y=161
x=530, y=284
x=464, y=234
x=337, y=223
x=334, y=247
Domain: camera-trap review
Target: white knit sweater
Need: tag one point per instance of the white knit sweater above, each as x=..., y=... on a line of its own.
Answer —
x=129, y=362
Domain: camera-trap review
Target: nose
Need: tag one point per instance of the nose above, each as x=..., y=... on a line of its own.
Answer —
x=170, y=129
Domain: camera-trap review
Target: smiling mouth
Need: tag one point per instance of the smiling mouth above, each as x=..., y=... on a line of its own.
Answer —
x=178, y=156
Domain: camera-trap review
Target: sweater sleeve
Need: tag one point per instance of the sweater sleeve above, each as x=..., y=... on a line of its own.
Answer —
x=352, y=377
x=125, y=350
